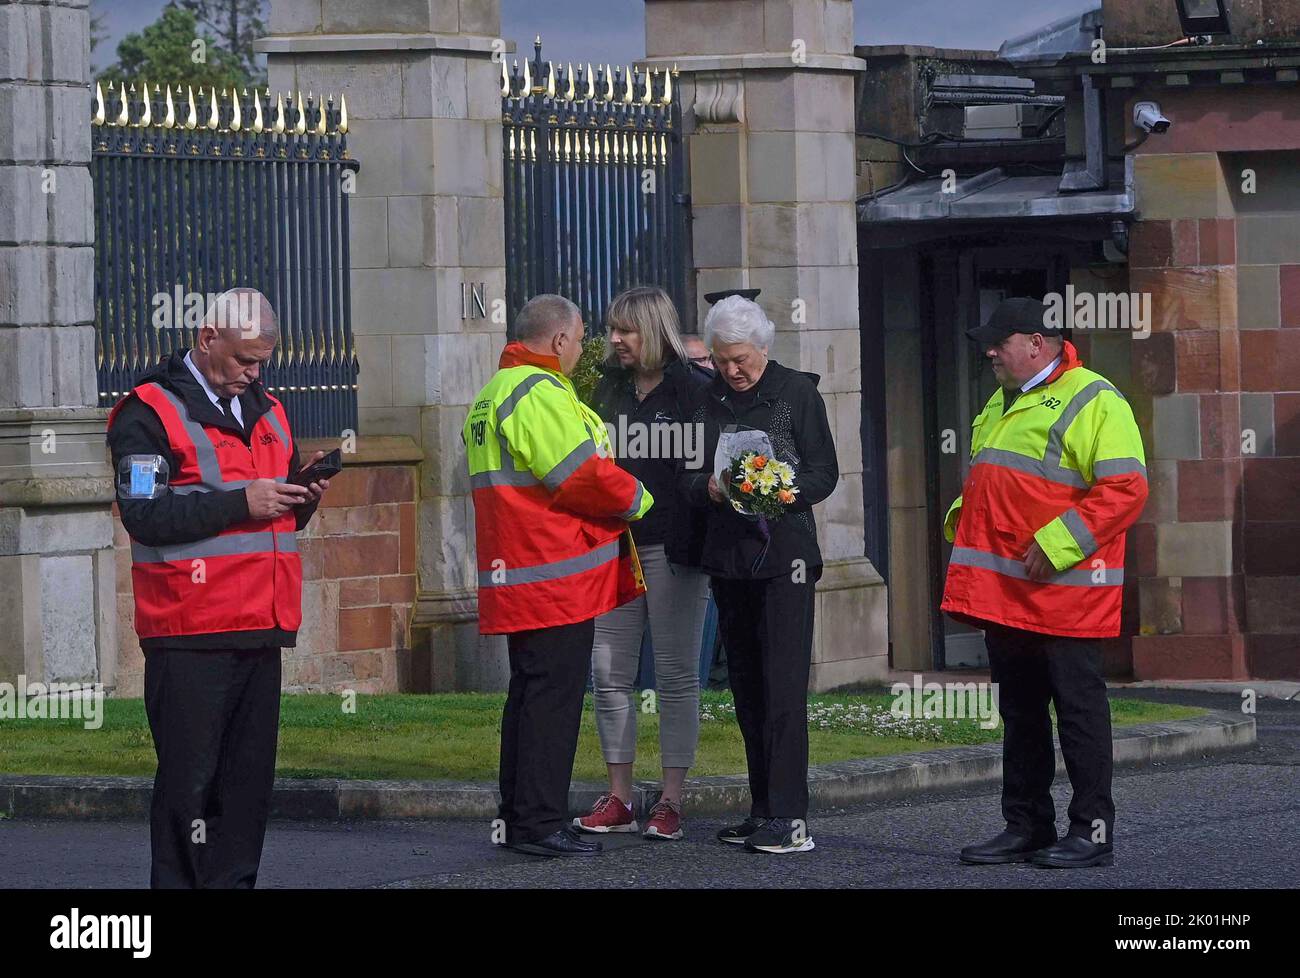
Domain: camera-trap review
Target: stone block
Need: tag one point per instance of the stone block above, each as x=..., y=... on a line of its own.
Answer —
x=845, y=412
x=368, y=231
x=446, y=529
x=375, y=379
x=1257, y=423
x=1218, y=241
x=1194, y=549
x=1271, y=605
x=711, y=27
x=1210, y=490
x=295, y=17
x=483, y=88
x=395, y=300
x=445, y=471
x=391, y=16
x=1267, y=239
x=466, y=157
x=1181, y=185
x=1189, y=657
x=481, y=226
x=20, y=610
x=801, y=99
x=1160, y=603
x=46, y=285
x=718, y=166
x=1189, y=298
x=1272, y=486
x=53, y=531
x=1270, y=360
x=1177, y=426
x=833, y=354
x=441, y=368
x=1258, y=295
x=719, y=235
x=68, y=631
x=62, y=215
x=434, y=86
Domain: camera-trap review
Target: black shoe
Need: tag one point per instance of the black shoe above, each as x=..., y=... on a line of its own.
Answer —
x=1075, y=852
x=1005, y=847
x=780, y=835
x=561, y=842
x=739, y=833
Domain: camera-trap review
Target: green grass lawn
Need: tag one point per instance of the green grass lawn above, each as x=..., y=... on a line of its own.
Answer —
x=456, y=736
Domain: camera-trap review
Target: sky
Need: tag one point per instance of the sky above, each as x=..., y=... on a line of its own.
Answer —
x=613, y=30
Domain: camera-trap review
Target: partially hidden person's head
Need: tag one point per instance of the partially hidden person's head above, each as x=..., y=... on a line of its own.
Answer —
x=642, y=331
x=1017, y=341
x=697, y=352
x=739, y=334
x=551, y=324
x=236, y=340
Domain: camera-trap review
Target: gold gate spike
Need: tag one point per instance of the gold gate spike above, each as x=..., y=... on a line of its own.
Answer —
x=278, y=125
x=99, y=104
x=169, y=120
x=257, y=112
x=123, y=117
x=214, y=115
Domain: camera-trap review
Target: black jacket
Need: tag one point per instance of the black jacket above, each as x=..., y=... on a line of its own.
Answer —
x=670, y=521
x=175, y=518
x=785, y=404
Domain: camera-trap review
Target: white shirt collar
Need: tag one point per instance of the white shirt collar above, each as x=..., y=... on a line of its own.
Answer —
x=212, y=395
x=1041, y=376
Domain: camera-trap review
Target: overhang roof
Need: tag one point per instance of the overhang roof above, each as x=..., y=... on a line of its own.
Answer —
x=994, y=195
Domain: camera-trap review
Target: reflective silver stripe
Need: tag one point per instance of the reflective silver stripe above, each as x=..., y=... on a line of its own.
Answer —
x=636, y=503
x=508, y=475
x=569, y=465
x=1118, y=466
x=553, y=571
x=1056, y=434
x=507, y=407
x=279, y=429
x=1079, y=530
x=1010, y=567
x=226, y=486
x=229, y=545
x=1023, y=463
x=204, y=453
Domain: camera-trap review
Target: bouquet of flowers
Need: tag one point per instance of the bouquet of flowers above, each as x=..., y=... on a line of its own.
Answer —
x=760, y=486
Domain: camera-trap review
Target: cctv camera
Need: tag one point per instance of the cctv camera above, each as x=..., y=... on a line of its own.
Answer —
x=1148, y=117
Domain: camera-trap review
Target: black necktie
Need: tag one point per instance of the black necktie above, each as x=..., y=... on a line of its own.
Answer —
x=226, y=410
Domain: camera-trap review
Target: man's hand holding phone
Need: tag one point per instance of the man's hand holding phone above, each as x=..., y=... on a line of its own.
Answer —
x=268, y=499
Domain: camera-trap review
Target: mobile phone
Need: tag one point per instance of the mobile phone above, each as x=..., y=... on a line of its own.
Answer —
x=325, y=468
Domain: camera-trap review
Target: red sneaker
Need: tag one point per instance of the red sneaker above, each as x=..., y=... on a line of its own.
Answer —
x=665, y=822
x=609, y=814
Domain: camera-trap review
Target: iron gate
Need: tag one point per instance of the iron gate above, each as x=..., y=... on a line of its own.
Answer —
x=190, y=202
x=594, y=199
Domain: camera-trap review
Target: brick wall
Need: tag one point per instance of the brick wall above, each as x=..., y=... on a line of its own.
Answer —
x=359, y=583
x=1218, y=548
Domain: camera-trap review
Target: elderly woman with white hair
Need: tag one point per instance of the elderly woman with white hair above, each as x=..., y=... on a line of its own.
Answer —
x=764, y=573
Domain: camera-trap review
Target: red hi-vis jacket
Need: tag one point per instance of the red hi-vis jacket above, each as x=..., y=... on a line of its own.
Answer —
x=550, y=505
x=247, y=577
x=1063, y=465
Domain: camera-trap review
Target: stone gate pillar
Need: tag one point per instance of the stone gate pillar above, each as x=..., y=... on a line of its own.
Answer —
x=57, y=574
x=428, y=264
x=767, y=91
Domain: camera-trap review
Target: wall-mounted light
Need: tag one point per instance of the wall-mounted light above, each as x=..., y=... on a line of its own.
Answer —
x=1203, y=17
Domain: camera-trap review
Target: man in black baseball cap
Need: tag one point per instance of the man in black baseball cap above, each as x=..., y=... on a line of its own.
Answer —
x=1021, y=346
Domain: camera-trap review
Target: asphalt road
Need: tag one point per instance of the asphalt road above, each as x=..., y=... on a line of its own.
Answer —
x=1229, y=821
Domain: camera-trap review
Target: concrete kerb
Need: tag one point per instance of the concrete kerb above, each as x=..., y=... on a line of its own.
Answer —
x=830, y=785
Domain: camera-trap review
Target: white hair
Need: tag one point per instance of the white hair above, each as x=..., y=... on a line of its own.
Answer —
x=736, y=319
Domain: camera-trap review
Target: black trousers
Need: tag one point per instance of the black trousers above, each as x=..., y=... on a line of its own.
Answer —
x=214, y=718
x=539, y=727
x=767, y=629
x=1031, y=671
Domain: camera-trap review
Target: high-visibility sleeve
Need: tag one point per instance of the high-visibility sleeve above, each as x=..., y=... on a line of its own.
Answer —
x=1105, y=442
x=545, y=432
x=950, y=520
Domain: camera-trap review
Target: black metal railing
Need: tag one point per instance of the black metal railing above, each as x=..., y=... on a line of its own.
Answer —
x=192, y=199
x=594, y=199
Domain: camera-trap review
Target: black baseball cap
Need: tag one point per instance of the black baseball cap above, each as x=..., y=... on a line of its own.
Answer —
x=1027, y=316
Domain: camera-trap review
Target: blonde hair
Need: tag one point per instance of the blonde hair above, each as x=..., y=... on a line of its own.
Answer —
x=647, y=310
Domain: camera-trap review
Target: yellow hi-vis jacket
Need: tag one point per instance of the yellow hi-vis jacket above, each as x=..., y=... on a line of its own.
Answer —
x=550, y=505
x=1063, y=465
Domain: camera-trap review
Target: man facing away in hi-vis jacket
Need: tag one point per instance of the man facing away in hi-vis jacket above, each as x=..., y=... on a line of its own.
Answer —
x=1057, y=476
x=551, y=510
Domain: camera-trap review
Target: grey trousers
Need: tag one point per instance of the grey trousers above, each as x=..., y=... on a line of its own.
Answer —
x=675, y=600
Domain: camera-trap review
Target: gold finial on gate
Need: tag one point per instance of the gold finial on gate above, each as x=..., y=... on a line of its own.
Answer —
x=645, y=96
x=567, y=152
x=570, y=93
x=192, y=120
x=343, y=115
x=278, y=126
x=300, y=126
x=146, y=117
x=663, y=147
x=591, y=84
x=550, y=80
x=214, y=114
x=609, y=83
x=100, y=114
x=586, y=146
x=123, y=117
x=668, y=86
x=528, y=80
x=505, y=80
x=512, y=144
x=627, y=92
x=645, y=154
x=257, y=111
x=235, y=117
x=607, y=148
x=634, y=153
x=320, y=123
x=532, y=142
x=625, y=152
x=169, y=118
